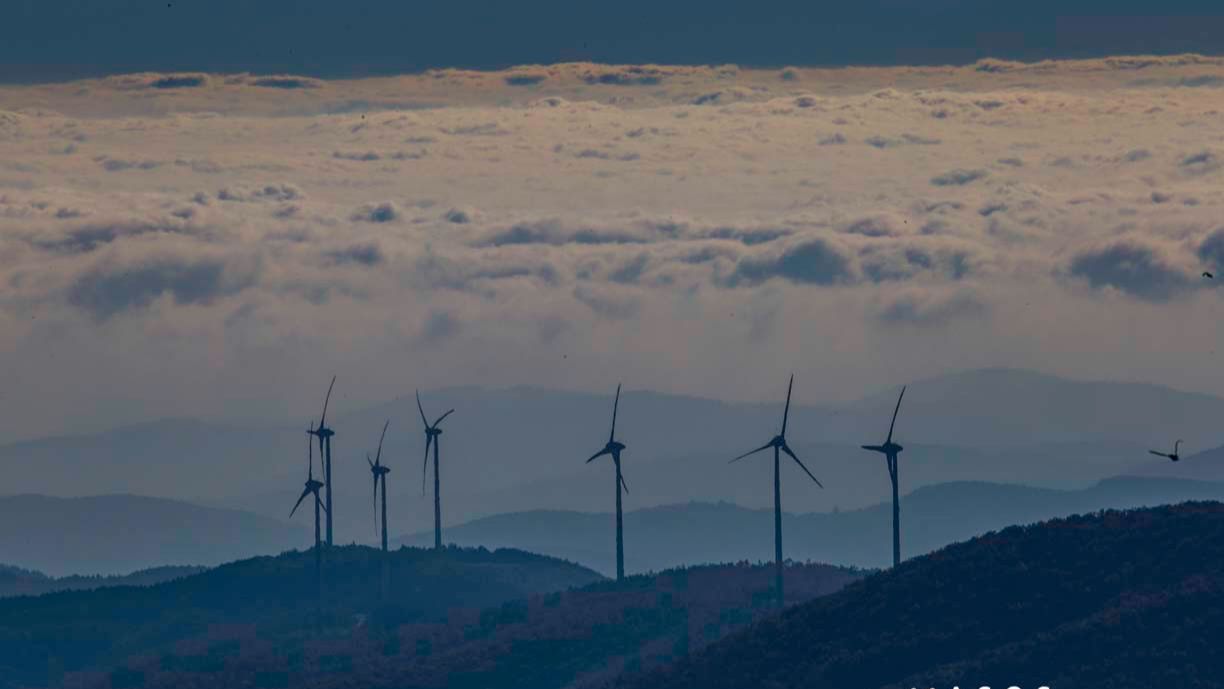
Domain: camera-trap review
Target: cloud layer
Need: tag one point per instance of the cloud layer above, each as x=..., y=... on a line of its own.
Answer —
x=236, y=234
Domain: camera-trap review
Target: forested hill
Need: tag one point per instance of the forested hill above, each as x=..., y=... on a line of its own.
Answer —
x=47, y=636
x=1112, y=599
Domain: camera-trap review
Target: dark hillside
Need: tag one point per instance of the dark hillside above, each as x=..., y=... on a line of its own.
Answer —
x=1113, y=599
x=577, y=638
x=271, y=597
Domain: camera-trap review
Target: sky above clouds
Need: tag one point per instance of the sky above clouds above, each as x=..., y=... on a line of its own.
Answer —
x=218, y=245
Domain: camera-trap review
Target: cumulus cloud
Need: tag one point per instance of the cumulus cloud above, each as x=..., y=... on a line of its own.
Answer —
x=110, y=288
x=268, y=192
x=957, y=177
x=377, y=213
x=812, y=262
x=1131, y=267
x=556, y=233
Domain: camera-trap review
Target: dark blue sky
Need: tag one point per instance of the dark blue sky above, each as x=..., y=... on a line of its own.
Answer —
x=49, y=39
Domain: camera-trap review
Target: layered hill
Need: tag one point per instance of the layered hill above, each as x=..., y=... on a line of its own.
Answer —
x=693, y=533
x=1113, y=599
x=577, y=638
x=18, y=581
x=47, y=636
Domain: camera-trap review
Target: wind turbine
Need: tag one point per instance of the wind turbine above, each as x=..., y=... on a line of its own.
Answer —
x=433, y=436
x=1176, y=454
x=324, y=434
x=380, y=473
x=313, y=486
x=779, y=445
x=614, y=448
x=890, y=450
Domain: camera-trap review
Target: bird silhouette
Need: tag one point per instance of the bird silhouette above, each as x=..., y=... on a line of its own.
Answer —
x=1174, y=457
x=1208, y=275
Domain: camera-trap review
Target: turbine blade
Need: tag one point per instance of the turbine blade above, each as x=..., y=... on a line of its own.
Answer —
x=615, y=406
x=873, y=448
x=786, y=412
x=326, y=400
x=376, y=504
x=299, y=502
x=787, y=450
x=766, y=446
x=894, y=419
x=1158, y=454
x=599, y=454
x=310, y=456
x=380, y=440
x=369, y=462
x=421, y=409
x=320, y=502
x=452, y=411
x=623, y=484
x=425, y=467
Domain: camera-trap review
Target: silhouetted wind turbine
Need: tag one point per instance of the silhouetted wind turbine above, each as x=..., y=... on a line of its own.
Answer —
x=324, y=434
x=890, y=450
x=779, y=445
x=1175, y=456
x=380, y=473
x=614, y=448
x=433, y=436
x=313, y=486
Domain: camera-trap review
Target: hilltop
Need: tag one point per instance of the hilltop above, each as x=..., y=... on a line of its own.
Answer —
x=1112, y=599
x=578, y=638
x=46, y=636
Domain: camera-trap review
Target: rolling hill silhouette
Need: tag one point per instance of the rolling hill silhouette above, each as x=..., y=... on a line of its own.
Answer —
x=674, y=535
x=47, y=636
x=117, y=534
x=1114, y=599
x=17, y=581
x=578, y=638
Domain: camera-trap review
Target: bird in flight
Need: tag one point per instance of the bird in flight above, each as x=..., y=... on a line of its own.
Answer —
x=1175, y=456
x=1208, y=275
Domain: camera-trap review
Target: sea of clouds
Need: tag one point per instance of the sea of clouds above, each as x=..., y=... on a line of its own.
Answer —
x=204, y=244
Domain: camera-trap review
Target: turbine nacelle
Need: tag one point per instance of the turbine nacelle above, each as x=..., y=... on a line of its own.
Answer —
x=322, y=433
x=615, y=447
x=886, y=448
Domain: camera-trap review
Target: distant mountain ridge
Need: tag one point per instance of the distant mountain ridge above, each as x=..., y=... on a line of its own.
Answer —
x=998, y=425
x=117, y=534
x=695, y=533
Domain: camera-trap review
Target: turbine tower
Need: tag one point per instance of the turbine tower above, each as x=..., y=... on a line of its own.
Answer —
x=779, y=445
x=380, y=473
x=890, y=450
x=313, y=486
x=324, y=434
x=614, y=448
x=433, y=437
